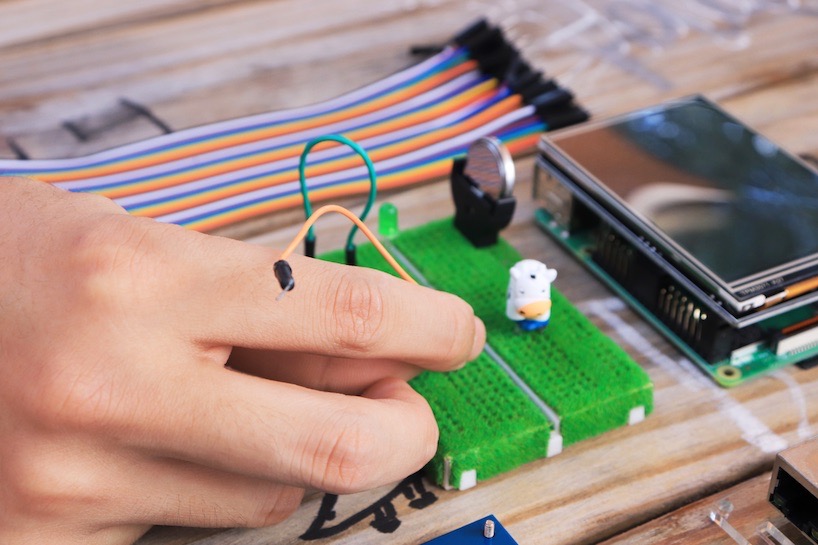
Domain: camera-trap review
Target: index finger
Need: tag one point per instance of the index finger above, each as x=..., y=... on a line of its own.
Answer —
x=334, y=310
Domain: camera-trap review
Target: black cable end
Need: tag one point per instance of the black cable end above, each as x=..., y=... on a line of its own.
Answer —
x=497, y=57
x=350, y=256
x=563, y=118
x=480, y=26
x=552, y=100
x=309, y=247
x=425, y=50
x=284, y=275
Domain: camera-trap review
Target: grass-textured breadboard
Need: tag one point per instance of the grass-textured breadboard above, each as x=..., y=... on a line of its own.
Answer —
x=571, y=365
x=486, y=423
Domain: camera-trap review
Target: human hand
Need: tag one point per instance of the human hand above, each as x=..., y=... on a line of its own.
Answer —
x=117, y=409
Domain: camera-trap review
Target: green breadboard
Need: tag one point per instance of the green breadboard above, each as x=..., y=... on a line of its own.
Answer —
x=559, y=386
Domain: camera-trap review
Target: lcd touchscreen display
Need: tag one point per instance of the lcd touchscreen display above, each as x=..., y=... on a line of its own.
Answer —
x=729, y=200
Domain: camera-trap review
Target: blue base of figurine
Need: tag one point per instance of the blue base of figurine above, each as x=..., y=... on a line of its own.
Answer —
x=532, y=325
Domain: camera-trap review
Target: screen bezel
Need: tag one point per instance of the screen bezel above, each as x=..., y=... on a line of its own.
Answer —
x=743, y=294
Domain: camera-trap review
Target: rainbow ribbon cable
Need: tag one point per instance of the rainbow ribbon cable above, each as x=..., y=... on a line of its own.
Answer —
x=411, y=123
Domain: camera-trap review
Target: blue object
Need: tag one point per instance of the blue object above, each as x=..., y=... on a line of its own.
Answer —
x=532, y=325
x=472, y=534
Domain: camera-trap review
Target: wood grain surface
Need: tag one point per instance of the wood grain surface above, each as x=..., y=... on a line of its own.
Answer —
x=692, y=524
x=195, y=62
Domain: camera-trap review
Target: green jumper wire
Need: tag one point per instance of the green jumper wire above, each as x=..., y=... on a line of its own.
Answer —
x=309, y=241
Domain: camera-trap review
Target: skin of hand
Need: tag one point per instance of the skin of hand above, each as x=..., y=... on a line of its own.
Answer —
x=149, y=376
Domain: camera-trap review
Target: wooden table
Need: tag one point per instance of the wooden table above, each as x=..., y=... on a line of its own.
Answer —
x=65, y=66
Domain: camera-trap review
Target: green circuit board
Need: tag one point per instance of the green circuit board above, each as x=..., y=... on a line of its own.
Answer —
x=757, y=360
x=528, y=394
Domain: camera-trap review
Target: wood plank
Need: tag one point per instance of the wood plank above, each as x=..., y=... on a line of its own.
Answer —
x=692, y=524
x=27, y=21
x=248, y=65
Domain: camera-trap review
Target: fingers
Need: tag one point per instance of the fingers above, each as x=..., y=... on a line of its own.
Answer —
x=274, y=431
x=129, y=488
x=177, y=493
x=230, y=297
x=222, y=292
x=324, y=373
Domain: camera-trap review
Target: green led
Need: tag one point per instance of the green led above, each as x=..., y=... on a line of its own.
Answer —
x=388, y=220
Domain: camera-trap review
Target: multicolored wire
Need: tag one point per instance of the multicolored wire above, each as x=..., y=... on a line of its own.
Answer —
x=411, y=123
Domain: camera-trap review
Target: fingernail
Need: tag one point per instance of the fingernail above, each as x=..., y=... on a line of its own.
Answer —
x=479, y=338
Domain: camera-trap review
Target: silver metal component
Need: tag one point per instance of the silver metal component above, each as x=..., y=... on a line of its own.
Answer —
x=553, y=197
x=489, y=165
x=488, y=529
x=794, y=486
x=681, y=311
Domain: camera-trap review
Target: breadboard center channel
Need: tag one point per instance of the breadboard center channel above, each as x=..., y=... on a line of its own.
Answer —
x=529, y=394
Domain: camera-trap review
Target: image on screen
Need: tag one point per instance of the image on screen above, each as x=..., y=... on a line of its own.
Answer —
x=728, y=199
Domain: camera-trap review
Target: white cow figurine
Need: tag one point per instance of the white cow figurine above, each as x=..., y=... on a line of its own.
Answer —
x=528, y=301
